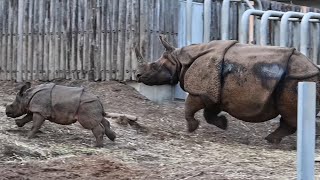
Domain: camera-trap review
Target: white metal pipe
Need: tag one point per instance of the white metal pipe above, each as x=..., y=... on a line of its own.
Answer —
x=304, y=33
x=189, y=22
x=264, y=25
x=284, y=26
x=225, y=15
x=306, y=130
x=207, y=20
x=244, y=25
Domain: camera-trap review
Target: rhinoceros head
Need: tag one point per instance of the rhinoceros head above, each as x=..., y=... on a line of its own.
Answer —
x=162, y=71
x=18, y=107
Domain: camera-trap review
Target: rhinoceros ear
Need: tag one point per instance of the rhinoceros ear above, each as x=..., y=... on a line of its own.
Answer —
x=139, y=56
x=165, y=43
x=26, y=86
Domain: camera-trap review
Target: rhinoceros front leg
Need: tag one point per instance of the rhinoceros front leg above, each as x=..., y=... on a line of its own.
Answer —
x=283, y=130
x=192, y=105
x=37, y=123
x=21, y=122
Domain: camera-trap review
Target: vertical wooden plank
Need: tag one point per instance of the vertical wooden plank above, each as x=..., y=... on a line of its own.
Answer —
x=20, y=45
x=150, y=31
x=115, y=17
x=30, y=39
x=25, y=40
x=5, y=40
x=1, y=37
x=35, y=37
x=92, y=38
x=135, y=36
x=63, y=45
x=121, y=36
x=109, y=47
x=156, y=28
x=9, y=42
x=128, y=42
x=97, y=47
x=80, y=40
x=57, y=38
x=74, y=40
x=144, y=29
x=46, y=41
x=52, y=40
x=15, y=39
x=175, y=18
x=86, y=24
x=69, y=40
x=40, y=49
x=103, y=40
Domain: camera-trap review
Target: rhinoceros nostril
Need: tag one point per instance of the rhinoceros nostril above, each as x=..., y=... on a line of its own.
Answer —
x=138, y=75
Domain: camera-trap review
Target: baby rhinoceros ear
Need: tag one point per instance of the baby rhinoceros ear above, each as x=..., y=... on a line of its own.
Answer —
x=26, y=86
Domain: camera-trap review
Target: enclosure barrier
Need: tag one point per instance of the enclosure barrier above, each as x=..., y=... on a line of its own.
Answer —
x=300, y=38
x=306, y=130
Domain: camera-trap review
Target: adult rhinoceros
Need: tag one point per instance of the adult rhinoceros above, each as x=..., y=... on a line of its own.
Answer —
x=252, y=83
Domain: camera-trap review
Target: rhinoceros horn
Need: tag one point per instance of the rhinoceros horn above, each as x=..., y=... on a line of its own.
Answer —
x=165, y=43
x=139, y=56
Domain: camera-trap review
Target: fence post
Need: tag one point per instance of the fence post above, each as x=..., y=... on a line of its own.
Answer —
x=265, y=23
x=206, y=20
x=20, y=38
x=306, y=130
x=189, y=22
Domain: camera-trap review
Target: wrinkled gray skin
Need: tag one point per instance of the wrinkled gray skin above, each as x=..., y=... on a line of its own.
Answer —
x=90, y=115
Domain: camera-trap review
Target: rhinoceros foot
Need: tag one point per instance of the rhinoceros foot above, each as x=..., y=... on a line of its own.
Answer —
x=19, y=123
x=221, y=122
x=273, y=140
x=193, y=125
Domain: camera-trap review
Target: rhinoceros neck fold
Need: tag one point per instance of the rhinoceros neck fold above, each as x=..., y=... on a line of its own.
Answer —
x=201, y=67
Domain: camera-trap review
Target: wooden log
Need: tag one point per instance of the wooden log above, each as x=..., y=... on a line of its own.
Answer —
x=117, y=115
x=150, y=31
x=156, y=28
x=46, y=41
x=5, y=39
x=175, y=17
x=121, y=41
x=57, y=38
x=144, y=29
x=63, y=41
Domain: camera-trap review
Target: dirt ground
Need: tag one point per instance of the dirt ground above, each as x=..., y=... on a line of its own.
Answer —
x=158, y=147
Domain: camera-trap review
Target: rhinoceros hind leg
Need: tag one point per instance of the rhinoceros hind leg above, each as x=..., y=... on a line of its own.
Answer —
x=38, y=120
x=110, y=134
x=192, y=105
x=283, y=130
x=98, y=133
x=211, y=116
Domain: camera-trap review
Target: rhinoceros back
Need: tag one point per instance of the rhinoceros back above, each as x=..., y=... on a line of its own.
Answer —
x=250, y=76
x=65, y=102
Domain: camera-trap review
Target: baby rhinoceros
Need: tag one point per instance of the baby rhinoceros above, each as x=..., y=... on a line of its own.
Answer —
x=62, y=105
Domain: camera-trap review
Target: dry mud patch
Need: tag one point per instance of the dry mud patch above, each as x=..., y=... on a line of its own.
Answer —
x=158, y=147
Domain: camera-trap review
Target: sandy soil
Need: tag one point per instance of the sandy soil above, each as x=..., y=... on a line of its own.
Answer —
x=158, y=147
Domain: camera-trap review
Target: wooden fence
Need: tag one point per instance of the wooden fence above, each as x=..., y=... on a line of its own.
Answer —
x=81, y=39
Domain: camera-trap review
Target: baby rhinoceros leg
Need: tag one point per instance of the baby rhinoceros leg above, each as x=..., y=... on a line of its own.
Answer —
x=38, y=120
x=21, y=122
x=110, y=134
